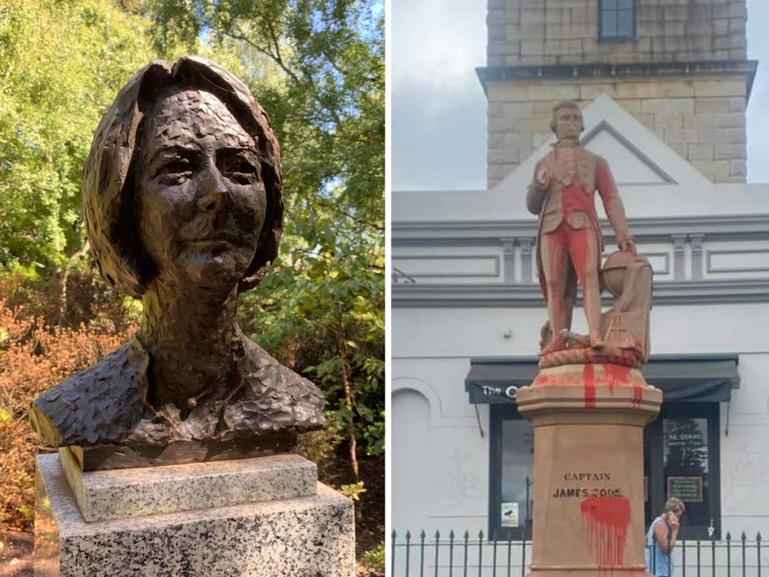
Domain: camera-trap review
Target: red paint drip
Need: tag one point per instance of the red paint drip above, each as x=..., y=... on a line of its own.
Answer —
x=616, y=375
x=637, y=395
x=588, y=378
x=579, y=249
x=607, y=520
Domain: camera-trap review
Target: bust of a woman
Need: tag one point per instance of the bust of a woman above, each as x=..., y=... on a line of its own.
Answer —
x=183, y=207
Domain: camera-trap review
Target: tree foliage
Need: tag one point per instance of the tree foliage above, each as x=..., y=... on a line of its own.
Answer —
x=61, y=64
x=317, y=67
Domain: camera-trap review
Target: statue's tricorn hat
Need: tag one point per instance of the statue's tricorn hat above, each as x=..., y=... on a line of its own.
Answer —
x=108, y=183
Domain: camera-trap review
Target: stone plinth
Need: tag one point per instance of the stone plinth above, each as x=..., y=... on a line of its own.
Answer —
x=588, y=425
x=206, y=527
x=123, y=493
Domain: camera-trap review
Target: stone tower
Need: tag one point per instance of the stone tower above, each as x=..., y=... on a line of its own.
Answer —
x=679, y=66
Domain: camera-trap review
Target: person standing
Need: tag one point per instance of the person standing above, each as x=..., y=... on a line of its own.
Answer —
x=661, y=538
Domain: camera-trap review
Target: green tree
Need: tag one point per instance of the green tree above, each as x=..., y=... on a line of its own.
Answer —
x=61, y=64
x=317, y=67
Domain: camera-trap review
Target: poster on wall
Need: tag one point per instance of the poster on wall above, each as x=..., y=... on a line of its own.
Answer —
x=688, y=489
x=509, y=515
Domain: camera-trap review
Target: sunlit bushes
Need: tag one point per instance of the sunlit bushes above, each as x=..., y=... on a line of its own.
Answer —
x=35, y=354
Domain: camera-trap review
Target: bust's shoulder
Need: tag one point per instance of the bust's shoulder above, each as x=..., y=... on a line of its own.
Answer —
x=99, y=404
x=281, y=397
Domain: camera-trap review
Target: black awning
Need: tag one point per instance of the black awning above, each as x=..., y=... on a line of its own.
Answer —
x=489, y=379
x=682, y=378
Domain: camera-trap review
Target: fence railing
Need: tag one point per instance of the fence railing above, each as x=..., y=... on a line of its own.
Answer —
x=460, y=555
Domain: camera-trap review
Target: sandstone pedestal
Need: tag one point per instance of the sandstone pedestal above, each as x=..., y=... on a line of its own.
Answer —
x=246, y=518
x=588, y=469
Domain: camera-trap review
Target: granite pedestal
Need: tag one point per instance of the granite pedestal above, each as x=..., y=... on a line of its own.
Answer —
x=261, y=517
x=588, y=425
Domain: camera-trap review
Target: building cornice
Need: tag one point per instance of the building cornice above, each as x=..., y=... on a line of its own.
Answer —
x=528, y=295
x=746, y=227
x=746, y=68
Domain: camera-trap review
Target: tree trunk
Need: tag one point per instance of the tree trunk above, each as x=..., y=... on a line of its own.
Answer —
x=62, y=303
x=349, y=404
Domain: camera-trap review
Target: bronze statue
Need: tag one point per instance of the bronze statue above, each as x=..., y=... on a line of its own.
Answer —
x=569, y=242
x=183, y=208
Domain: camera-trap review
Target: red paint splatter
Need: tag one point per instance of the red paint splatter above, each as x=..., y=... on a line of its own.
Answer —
x=637, y=395
x=554, y=380
x=579, y=249
x=616, y=375
x=544, y=380
x=588, y=378
x=607, y=520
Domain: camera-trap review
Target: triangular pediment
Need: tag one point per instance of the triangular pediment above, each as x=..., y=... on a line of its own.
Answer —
x=632, y=167
x=636, y=155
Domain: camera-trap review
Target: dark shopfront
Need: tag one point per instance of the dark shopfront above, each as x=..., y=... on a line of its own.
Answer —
x=681, y=447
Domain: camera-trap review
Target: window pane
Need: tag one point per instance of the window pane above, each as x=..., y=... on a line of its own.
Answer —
x=609, y=4
x=686, y=463
x=625, y=4
x=625, y=23
x=516, y=486
x=609, y=24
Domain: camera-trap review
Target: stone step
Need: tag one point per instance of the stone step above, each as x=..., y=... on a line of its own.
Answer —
x=124, y=493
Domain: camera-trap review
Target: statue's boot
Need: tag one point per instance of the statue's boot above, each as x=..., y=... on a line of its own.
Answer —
x=557, y=343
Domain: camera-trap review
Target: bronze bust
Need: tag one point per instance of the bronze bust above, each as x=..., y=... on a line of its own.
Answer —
x=183, y=208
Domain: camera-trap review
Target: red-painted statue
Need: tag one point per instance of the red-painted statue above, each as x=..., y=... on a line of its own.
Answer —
x=589, y=402
x=569, y=243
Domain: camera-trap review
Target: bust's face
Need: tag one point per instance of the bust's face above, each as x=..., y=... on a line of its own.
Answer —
x=568, y=123
x=201, y=201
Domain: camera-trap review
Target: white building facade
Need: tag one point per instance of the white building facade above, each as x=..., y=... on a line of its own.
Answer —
x=467, y=310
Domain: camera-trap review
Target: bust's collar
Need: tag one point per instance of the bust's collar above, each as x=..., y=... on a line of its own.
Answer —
x=140, y=351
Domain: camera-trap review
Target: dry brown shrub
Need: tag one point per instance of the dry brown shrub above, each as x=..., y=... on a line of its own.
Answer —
x=67, y=298
x=33, y=357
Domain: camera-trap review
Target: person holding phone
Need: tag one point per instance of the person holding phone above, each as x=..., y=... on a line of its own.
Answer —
x=661, y=538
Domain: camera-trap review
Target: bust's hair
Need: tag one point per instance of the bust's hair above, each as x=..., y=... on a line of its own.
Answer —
x=566, y=104
x=109, y=206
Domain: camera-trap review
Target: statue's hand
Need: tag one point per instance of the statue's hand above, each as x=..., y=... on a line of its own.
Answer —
x=627, y=245
x=543, y=177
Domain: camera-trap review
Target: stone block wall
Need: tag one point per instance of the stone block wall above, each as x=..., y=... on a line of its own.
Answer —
x=702, y=118
x=539, y=32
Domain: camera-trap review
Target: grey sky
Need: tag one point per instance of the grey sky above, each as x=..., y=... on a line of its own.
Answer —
x=438, y=106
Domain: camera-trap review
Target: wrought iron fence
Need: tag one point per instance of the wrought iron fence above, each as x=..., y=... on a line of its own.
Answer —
x=459, y=555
